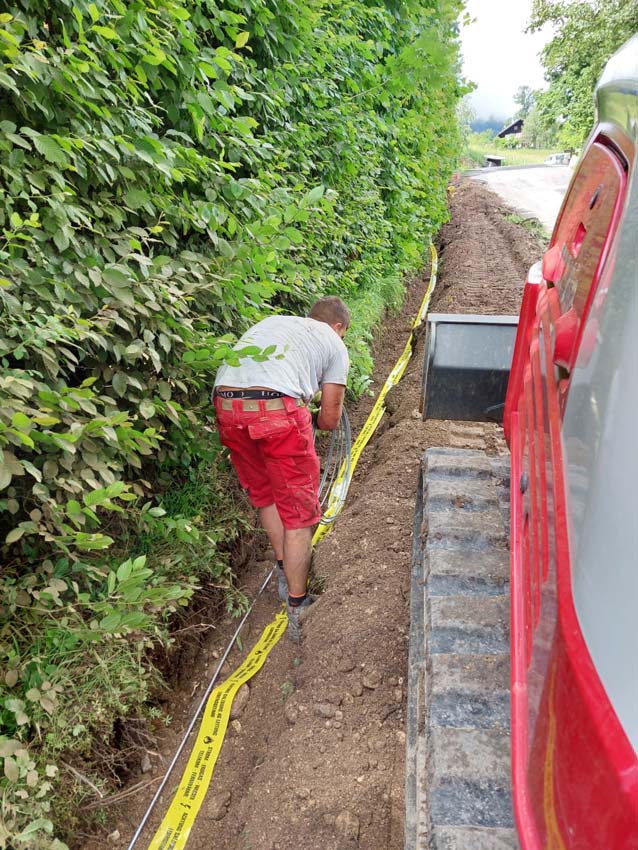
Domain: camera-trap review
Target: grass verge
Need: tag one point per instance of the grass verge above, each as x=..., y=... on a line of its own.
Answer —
x=533, y=225
x=521, y=156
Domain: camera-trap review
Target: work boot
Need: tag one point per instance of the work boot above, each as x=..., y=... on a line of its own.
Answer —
x=282, y=583
x=296, y=616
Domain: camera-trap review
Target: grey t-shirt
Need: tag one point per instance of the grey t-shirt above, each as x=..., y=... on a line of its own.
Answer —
x=313, y=354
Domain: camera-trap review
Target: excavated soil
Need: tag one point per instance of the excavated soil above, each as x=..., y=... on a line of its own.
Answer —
x=315, y=757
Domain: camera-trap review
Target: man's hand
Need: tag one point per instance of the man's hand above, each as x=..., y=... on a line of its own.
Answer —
x=331, y=406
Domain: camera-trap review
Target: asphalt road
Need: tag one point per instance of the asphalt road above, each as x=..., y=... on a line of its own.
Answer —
x=533, y=191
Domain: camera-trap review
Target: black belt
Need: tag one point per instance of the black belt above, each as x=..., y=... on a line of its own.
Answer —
x=249, y=394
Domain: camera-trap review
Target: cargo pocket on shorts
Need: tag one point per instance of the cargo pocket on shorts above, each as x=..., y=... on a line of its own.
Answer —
x=270, y=428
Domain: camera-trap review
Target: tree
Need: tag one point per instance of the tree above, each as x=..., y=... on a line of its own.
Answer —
x=466, y=115
x=525, y=98
x=585, y=36
x=535, y=133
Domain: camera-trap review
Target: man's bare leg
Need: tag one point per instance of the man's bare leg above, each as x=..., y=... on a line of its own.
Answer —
x=271, y=523
x=297, y=555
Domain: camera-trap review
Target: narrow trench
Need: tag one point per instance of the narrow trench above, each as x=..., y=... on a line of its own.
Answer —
x=316, y=756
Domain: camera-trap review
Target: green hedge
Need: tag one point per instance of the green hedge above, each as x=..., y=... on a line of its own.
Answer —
x=169, y=172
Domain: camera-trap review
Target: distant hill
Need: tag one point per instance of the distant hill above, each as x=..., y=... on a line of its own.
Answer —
x=491, y=123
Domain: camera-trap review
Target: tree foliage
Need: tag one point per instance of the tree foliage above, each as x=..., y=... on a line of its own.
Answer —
x=586, y=34
x=525, y=98
x=536, y=133
x=169, y=172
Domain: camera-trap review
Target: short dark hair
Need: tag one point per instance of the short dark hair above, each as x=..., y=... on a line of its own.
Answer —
x=331, y=310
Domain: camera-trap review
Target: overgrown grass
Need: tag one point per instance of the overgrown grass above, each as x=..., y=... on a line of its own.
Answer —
x=368, y=309
x=208, y=516
x=101, y=683
x=533, y=225
x=521, y=156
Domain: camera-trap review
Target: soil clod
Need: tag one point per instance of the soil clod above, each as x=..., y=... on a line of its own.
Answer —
x=217, y=805
x=372, y=680
x=240, y=702
x=347, y=825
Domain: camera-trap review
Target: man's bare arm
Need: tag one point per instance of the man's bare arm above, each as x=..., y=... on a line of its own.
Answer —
x=331, y=406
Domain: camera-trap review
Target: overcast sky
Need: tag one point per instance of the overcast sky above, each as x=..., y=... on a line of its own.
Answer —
x=499, y=56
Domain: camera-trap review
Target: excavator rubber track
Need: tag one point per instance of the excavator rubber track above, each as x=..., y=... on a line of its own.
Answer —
x=458, y=785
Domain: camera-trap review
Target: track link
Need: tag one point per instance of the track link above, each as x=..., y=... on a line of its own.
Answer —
x=458, y=787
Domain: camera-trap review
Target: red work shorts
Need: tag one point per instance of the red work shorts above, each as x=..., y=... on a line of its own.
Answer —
x=274, y=456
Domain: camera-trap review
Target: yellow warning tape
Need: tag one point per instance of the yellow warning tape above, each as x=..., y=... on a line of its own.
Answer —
x=339, y=489
x=179, y=819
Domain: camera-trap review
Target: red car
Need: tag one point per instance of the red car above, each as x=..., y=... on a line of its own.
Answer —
x=571, y=420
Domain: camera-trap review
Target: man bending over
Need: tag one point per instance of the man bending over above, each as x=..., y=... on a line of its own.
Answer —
x=263, y=419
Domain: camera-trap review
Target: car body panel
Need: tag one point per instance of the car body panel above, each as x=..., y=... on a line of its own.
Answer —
x=570, y=416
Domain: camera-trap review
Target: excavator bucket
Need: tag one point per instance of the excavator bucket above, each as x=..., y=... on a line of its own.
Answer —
x=467, y=366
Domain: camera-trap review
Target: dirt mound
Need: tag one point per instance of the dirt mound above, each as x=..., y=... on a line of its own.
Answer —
x=484, y=254
x=316, y=757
